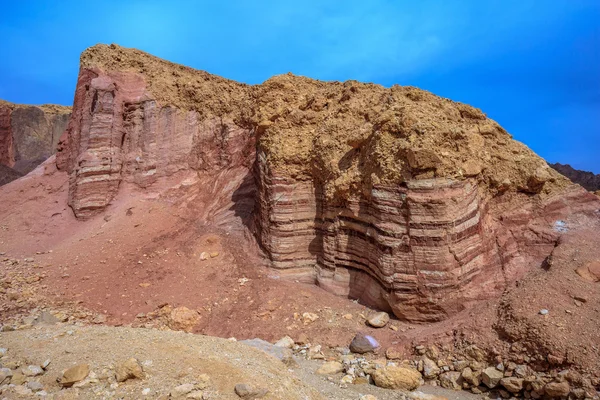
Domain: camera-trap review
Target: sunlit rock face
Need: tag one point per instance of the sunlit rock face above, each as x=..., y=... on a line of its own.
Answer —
x=404, y=200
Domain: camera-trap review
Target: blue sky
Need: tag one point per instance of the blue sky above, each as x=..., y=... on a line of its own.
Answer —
x=534, y=66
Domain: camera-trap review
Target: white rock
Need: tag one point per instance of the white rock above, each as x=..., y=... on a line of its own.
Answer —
x=146, y=391
x=286, y=342
x=32, y=370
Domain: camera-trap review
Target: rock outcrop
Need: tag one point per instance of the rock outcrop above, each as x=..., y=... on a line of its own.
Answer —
x=407, y=201
x=588, y=180
x=29, y=134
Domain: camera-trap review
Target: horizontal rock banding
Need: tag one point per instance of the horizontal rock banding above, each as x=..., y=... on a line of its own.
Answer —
x=410, y=202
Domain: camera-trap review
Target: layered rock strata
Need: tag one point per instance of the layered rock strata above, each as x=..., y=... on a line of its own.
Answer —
x=405, y=200
x=29, y=134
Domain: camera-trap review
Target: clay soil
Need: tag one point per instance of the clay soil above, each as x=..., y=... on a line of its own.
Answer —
x=146, y=250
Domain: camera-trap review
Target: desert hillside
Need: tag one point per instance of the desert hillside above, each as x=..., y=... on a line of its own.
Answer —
x=374, y=240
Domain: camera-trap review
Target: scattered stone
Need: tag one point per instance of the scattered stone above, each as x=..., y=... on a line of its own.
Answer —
x=18, y=379
x=46, y=363
x=363, y=344
x=46, y=318
x=35, y=386
x=3, y=352
x=379, y=320
x=247, y=392
x=308, y=318
x=491, y=377
x=214, y=254
x=183, y=319
x=182, y=390
x=204, y=256
x=22, y=390
x=394, y=377
x=129, y=369
x=512, y=384
x=330, y=368
x=146, y=392
x=430, y=369
x=5, y=375
x=32, y=370
x=303, y=339
x=196, y=395
x=557, y=389
x=286, y=342
x=393, y=354
x=451, y=380
x=470, y=376
x=543, y=311
x=347, y=379
x=74, y=375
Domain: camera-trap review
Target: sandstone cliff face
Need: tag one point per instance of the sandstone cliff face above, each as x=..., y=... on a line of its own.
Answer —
x=588, y=180
x=29, y=134
x=404, y=200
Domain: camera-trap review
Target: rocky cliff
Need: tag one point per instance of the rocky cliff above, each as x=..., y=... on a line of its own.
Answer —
x=29, y=134
x=588, y=180
x=407, y=201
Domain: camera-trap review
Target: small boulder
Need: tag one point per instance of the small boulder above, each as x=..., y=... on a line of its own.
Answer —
x=394, y=377
x=74, y=375
x=512, y=384
x=470, y=376
x=491, y=377
x=430, y=369
x=183, y=319
x=248, y=392
x=330, y=368
x=451, y=380
x=363, y=343
x=129, y=369
x=379, y=320
x=557, y=389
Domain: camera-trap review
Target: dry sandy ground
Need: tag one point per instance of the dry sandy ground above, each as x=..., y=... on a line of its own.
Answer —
x=173, y=358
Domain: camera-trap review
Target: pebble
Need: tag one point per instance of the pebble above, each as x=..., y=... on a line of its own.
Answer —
x=3, y=352
x=379, y=320
x=146, y=391
x=543, y=311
